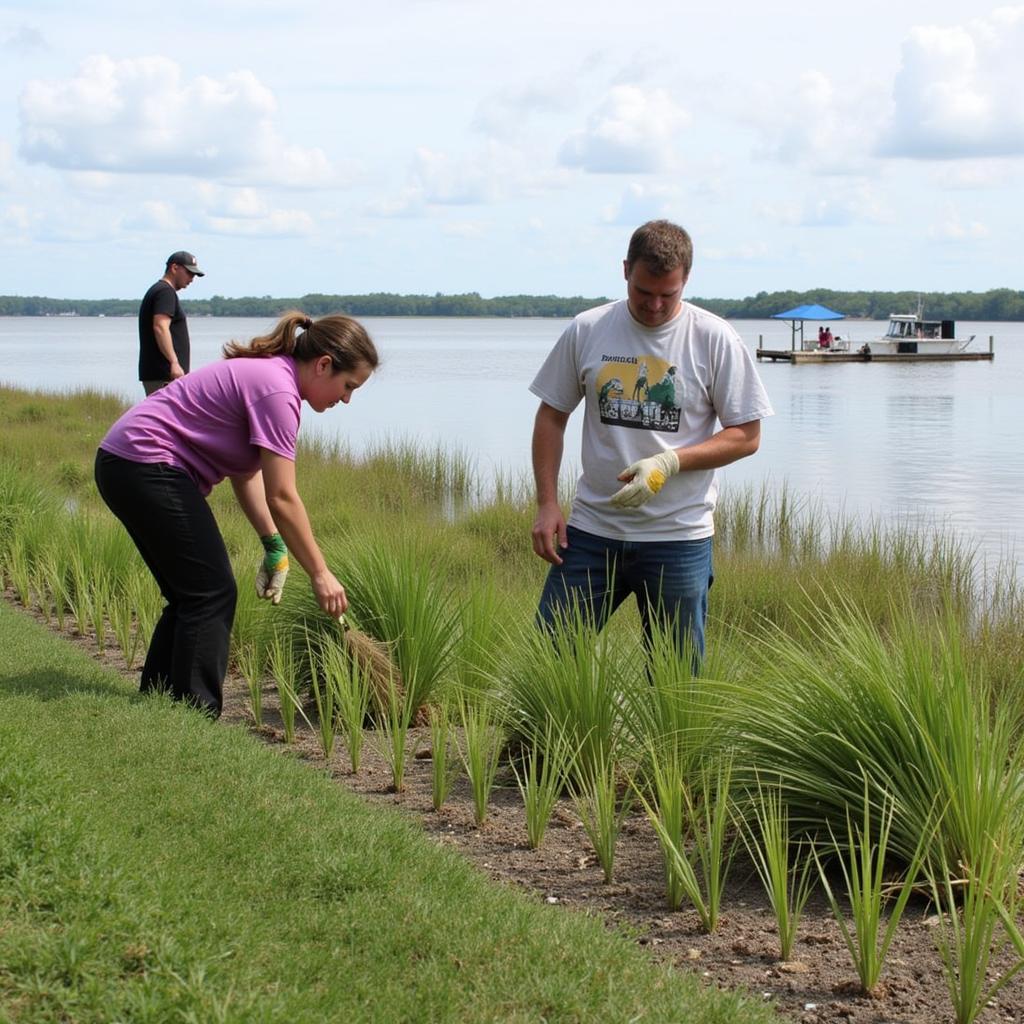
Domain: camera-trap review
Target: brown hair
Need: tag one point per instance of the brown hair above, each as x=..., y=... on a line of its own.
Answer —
x=662, y=247
x=343, y=339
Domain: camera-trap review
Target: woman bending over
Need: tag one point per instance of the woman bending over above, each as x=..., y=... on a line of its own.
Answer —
x=236, y=418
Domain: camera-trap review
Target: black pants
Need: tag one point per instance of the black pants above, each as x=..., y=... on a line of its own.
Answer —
x=177, y=536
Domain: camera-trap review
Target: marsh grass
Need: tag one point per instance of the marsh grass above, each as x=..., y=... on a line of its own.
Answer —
x=121, y=613
x=862, y=858
x=324, y=687
x=978, y=919
x=603, y=804
x=283, y=670
x=782, y=863
x=250, y=661
x=541, y=777
x=353, y=690
x=391, y=737
x=399, y=585
x=698, y=858
x=483, y=740
x=573, y=678
x=902, y=708
x=443, y=766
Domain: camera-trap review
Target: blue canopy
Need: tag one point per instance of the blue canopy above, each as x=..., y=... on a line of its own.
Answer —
x=811, y=312
x=799, y=314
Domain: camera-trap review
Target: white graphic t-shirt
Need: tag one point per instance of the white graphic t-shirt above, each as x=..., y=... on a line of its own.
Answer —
x=648, y=389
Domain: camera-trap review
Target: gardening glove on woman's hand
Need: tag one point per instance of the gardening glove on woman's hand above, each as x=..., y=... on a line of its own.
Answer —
x=274, y=570
x=646, y=478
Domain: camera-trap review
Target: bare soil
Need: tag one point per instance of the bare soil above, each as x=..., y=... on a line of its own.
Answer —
x=818, y=985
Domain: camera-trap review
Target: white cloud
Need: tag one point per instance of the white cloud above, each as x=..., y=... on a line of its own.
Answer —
x=953, y=228
x=6, y=168
x=464, y=229
x=633, y=131
x=959, y=91
x=156, y=215
x=276, y=224
x=248, y=212
x=642, y=202
x=141, y=116
x=505, y=114
x=16, y=220
x=493, y=174
x=833, y=207
x=815, y=124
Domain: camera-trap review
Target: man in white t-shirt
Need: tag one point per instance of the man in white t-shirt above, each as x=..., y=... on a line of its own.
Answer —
x=642, y=519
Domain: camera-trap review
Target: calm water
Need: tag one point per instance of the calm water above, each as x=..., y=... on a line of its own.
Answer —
x=924, y=442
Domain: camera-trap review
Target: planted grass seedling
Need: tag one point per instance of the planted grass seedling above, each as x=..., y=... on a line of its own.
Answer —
x=862, y=859
x=126, y=632
x=595, y=794
x=783, y=867
x=541, y=779
x=353, y=683
x=443, y=765
x=972, y=908
x=482, y=742
x=393, y=720
x=283, y=667
x=700, y=875
x=250, y=662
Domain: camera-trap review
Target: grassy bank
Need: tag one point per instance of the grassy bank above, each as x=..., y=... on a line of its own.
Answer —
x=155, y=866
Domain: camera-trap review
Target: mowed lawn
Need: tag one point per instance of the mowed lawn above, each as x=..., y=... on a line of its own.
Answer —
x=155, y=866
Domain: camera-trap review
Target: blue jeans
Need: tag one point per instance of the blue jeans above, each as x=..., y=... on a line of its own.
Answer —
x=670, y=580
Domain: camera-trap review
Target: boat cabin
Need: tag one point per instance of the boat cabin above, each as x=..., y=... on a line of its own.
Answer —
x=909, y=327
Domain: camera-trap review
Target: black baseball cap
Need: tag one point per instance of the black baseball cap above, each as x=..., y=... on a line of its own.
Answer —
x=186, y=260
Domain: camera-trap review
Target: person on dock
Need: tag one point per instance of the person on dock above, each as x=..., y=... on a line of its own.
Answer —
x=235, y=418
x=164, y=351
x=642, y=519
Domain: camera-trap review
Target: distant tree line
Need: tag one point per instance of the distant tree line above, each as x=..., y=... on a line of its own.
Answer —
x=995, y=304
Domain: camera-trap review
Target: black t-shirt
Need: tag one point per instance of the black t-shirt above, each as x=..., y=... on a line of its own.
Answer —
x=161, y=298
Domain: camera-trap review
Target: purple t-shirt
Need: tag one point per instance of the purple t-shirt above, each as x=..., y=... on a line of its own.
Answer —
x=212, y=422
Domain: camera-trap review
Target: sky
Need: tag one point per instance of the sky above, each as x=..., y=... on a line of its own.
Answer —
x=423, y=146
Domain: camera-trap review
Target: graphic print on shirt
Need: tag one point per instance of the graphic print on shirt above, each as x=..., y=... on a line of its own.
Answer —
x=643, y=392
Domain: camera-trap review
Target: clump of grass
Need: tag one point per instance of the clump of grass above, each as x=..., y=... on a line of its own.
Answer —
x=393, y=720
x=443, y=766
x=353, y=689
x=482, y=743
x=784, y=873
x=701, y=874
x=399, y=587
x=250, y=662
x=573, y=678
x=903, y=709
x=978, y=918
x=862, y=858
x=283, y=670
x=595, y=794
x=323, y=685
x=541, y=778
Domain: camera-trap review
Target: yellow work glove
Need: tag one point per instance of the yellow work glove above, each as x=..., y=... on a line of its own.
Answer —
x=274, y=569
x=646, y=478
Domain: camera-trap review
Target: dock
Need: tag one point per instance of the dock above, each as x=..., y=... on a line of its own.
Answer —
x=792, y=356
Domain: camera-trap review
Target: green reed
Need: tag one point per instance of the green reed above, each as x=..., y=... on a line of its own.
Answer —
x=784, y=866
x=482, y=743
x=442, y=763
x=862, y=858
x=978, y=920
x=541, y=778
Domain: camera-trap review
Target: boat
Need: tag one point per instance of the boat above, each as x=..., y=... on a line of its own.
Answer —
x=911, y=334
x=909, y=337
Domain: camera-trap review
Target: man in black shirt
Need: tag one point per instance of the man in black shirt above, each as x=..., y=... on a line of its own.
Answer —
x=163, y=330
